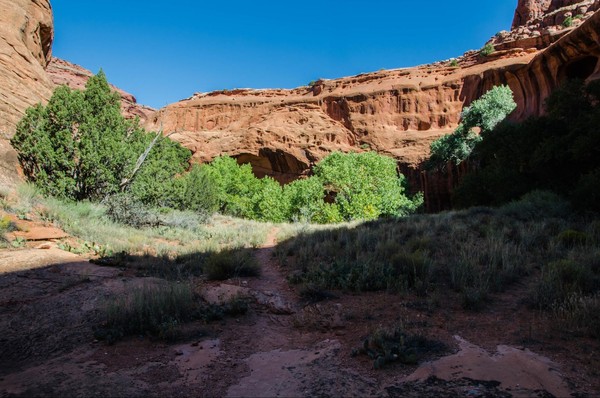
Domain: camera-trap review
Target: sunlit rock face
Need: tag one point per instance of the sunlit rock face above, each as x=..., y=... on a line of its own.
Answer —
x=26, y=33
x=396, y=112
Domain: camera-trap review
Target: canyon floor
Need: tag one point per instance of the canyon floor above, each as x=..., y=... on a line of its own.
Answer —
x=283, y=346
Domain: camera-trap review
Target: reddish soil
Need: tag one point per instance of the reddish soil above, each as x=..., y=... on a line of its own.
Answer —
x=281, y=347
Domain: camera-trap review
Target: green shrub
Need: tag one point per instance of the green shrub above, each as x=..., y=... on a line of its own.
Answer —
x=390, y=345
x=6, y=225
x=126, y=210
x=487, y=50
x=79, y=146
x=198, y=191
x=586, y=193
x=562, y=278
x=537, y=205
x=578, y=313
x=568, y=22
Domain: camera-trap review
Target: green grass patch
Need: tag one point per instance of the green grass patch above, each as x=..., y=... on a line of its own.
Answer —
x=150, y=310
x=158, y=310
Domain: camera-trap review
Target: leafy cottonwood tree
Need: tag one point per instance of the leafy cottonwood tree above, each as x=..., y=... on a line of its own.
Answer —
x=366, y=185
x=360, y=186
x=485, y=113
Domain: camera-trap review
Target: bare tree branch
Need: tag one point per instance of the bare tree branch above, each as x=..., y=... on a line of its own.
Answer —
x=142, y=159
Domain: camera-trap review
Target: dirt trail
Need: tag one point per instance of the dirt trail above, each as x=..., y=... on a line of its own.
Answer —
x=50, y=302
x=276, y=358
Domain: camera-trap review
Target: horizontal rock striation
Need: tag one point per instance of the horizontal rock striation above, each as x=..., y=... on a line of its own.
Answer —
x=396, y=112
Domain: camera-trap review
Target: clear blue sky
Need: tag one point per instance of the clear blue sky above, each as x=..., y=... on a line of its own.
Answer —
x=164, y=51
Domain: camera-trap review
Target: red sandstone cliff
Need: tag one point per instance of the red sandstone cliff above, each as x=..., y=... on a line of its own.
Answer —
x=397, y=112
x=26, y=32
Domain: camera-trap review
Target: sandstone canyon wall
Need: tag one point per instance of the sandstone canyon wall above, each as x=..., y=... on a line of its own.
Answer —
x=26, y=33
x=282, y=133
x=396, y=112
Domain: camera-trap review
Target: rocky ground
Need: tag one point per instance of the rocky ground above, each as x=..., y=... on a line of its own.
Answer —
x=283, y=346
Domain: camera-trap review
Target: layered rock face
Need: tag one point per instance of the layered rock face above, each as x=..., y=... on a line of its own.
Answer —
x=546, y=13
x=283, y=132
x=396, y=112
x=64, y=72
x=26, y=32
x=539, y=23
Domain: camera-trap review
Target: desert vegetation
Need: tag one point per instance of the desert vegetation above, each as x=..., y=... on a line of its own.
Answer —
x=476, y=253
x=487, y=50
x=350, y=229
x=559, y=151
x=79, y=147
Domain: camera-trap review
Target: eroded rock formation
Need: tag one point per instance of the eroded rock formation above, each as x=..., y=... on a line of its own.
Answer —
x=283, y=132
x=539, y=23
x=26, y=32
x=396, y=112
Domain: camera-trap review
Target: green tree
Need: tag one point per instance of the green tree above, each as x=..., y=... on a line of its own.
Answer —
x=236, y=186
x=270, y=203
x=484, y=113
x=306, y=198
x=79, y=147
x=365, y=185
x=196, y=190
x=559, y=152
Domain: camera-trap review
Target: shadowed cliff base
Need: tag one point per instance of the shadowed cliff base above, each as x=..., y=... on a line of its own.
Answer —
x=277, y=164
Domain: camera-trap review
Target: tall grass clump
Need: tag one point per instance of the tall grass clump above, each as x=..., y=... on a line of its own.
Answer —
x=578, y=314
x=153, y=310
x=577, y=274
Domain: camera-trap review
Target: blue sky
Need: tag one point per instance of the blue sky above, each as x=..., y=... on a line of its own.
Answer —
x=165, y=51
